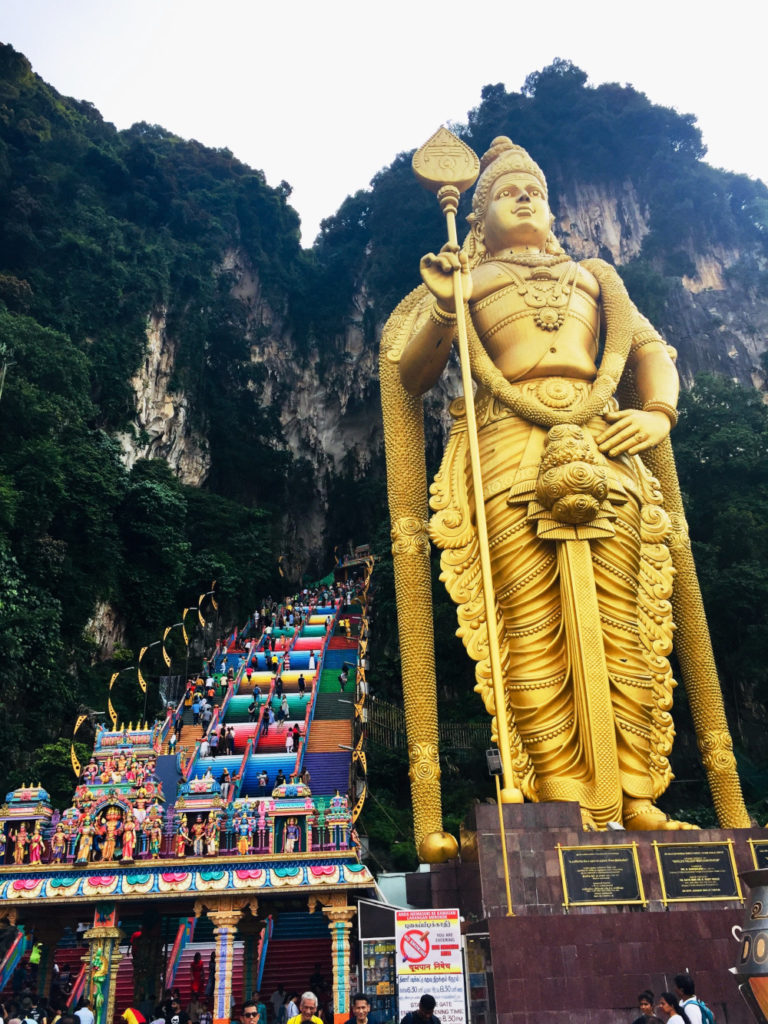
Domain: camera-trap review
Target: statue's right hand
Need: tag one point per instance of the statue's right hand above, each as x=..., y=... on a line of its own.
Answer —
x=437, y=274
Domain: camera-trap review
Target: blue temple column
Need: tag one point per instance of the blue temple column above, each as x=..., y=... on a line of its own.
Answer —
x=225, y=913
x=340, y=918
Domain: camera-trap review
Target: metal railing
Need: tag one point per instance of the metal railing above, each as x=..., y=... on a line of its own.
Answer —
x=386, y=727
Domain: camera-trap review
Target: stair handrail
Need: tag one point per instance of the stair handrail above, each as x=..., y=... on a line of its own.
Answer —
x=310, y=713
x=262, y=711
x=266, y=935
x=183, y=937
x=186, y=770
x=78, y=987
x=11, y=960
x=236, y=789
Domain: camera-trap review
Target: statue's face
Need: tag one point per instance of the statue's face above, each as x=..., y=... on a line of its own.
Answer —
x=518, y=214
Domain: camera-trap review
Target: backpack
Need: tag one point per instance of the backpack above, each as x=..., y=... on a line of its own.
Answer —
x=707, y=1017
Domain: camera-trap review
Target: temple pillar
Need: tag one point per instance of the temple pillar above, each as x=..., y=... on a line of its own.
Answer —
x=49, y=933
x=225, y=913
x=250, y=929
x=103, y=960
x=340, y=918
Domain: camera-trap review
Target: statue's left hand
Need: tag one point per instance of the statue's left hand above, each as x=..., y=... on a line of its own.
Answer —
x=632, y=431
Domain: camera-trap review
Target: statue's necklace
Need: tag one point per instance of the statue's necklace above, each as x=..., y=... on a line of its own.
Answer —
x=550, y=297
x=532, y=259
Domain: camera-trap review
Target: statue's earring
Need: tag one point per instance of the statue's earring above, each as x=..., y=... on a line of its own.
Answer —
x=477, y=235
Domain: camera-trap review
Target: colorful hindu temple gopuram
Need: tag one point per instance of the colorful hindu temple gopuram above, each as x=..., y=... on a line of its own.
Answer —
x=216, y=872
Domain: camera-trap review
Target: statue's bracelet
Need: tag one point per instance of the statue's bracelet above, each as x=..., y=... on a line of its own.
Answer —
x=669, y=410
x=440, y=317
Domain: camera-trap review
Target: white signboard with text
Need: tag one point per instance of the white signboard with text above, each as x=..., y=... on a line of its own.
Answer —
x=428, y=960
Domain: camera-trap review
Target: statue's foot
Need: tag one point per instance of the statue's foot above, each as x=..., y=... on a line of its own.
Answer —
x=643, y=816
x=588, y=823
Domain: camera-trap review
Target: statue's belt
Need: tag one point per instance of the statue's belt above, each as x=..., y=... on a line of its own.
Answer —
x=516, y=472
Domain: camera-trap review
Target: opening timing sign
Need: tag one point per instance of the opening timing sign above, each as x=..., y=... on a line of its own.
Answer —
x=429, y=960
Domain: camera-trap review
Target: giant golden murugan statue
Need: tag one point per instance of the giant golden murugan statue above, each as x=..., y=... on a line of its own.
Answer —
x=584, y=530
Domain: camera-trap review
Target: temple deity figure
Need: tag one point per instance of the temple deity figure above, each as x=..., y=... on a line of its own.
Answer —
x=128, y=850
x=58, y=845
x=154, y=832
x=20, y=843
x=244, y=831
x=576, y=394
x=109, y=829
x=291, y=836
x=212, y=834
x=198, y=836
x=36, y=845
x=85, y=842
x=183, y=839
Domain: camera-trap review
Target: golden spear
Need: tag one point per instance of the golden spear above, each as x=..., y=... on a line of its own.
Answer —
x=447, y=166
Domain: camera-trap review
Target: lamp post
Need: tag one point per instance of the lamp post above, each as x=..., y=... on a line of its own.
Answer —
x=496, y=769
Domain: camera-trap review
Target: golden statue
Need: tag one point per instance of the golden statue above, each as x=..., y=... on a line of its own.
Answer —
x=581, y=528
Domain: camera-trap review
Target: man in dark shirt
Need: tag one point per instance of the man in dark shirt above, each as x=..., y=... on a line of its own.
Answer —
x=425, y=1013
x=176, y=1014
x=361, y=1007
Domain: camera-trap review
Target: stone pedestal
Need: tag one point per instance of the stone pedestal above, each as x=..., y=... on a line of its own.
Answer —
x=587, y=964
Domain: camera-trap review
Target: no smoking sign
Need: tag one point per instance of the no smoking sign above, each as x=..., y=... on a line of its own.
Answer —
x=414, y=946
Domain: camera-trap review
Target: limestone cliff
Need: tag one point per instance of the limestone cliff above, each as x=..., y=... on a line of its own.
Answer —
x=162, y=428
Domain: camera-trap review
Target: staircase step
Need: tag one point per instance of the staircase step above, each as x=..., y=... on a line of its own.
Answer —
x=329, y=772
x=337, y=706
x=327, y=735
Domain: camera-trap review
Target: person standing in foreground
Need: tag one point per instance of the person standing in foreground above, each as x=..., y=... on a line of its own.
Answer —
x=425, y=1014
x=672, y=1010
x=254, y=1011
x=307, y=1011
x=645, y=1004
x=361, y=1007
x=696, y=1011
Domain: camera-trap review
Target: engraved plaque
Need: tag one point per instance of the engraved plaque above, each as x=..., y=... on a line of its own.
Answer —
x=697, y=871
x=594, y=875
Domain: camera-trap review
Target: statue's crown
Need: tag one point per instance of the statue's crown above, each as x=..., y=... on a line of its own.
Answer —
x=503, y=157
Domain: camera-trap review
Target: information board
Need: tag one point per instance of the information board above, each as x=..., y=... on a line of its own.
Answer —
x=428, y=960
x=597, y=875
x=697, y=871
x=759, y=852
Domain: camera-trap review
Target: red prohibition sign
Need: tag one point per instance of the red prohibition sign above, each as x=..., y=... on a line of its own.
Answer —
x=414, y=946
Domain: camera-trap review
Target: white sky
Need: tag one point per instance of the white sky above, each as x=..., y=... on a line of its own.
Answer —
x=324, y=94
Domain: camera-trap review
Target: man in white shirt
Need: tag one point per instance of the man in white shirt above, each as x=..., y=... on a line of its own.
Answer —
x=84, y=1013
x=686, y=993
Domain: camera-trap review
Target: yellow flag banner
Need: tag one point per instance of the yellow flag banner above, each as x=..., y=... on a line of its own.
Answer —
x=112, y=712
x=142, y=680
x=183, y=626
x=214, y=602
x=199, y=613
x=76, y=766
x=359, y=805
x=112, y=679
x=166, y=655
